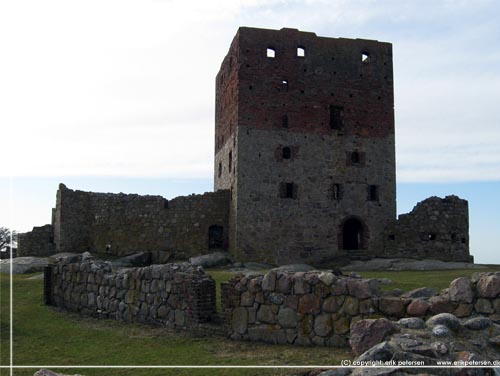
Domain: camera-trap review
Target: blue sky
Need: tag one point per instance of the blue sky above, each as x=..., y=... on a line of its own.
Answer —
x=119, y=96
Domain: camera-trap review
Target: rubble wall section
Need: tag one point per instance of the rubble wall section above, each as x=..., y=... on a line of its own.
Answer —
x=37, y=242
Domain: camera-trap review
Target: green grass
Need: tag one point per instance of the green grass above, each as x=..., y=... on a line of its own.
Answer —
x=46, y=336
x=409, y=280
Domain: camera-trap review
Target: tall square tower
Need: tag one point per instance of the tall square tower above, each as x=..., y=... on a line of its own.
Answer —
x=304, y=140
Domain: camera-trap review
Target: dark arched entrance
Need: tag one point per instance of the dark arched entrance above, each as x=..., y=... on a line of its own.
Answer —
x=352, y=234
x=215, y=237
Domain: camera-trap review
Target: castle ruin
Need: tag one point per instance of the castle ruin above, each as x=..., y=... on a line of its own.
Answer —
x=304, y=169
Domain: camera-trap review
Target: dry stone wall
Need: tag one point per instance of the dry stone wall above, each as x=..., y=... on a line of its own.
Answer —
x=318, y=308
x=122, y=224
x=37, y=242
x=176, y=295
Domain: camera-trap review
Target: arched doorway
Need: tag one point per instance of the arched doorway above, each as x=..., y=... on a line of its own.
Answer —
x=215, y=237
x=352, y=234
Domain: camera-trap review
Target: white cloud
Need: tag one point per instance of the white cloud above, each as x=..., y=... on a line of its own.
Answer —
x=127, y=87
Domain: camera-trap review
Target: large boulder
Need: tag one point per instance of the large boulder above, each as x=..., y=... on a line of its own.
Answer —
x=367, y=333
x=24, y=265
x=461, y=290
x=136, y=260
x=488, y=286
x=211, y=260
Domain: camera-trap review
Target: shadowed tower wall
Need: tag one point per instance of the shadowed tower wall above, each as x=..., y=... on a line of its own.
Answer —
x=304, y=141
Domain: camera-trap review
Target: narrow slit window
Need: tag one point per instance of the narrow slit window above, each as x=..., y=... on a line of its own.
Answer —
x=301, y=52
x=220, y=169
x=336, y=117
x=284, y=121
x=336, y=192
x=286, y=152
x=355, y=157
x=271, y=52
x=365, y=58
x=284, y=85
x=373, y=193
x=289, y=190
x=230, y=163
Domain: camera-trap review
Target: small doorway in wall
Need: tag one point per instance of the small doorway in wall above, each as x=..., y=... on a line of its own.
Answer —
x=215, y=237
x=352, y=234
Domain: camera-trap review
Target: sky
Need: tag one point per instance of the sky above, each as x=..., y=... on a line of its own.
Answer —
x=118, y=96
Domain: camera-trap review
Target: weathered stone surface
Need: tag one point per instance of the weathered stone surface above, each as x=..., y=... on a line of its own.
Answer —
x=441, y=331
x=333, y=303
x=287, y=317
x=382, y=351
x=483, y=306
x=136, y=259
x=421, y=292
x=239, y=320
x=441, y=304
x=362, y=288
x=301, y=286
x=461, y=290
x=463, y=310
x=447, y=319
x=418, y=307
x=326, y=277
x=341, y=325
x=350, y=306
x=247, y=299
x=309, y=303
x=477, y=323
x=265, y=314
x=269, y=281
x=323, y=325
x=393, y=307
x=488, y=286
x=411, y=323
x=285, y=283
x=367, y=333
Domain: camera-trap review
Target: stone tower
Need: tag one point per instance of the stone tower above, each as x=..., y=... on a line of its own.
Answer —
x=304, y=140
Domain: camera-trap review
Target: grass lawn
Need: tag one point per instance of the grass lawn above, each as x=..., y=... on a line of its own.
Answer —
x=46, y=336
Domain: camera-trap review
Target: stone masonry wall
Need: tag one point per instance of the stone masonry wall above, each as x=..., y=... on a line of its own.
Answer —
x=176, y=295
x=308, y=131
x=318, y=308
x=122, y=224
x=37, y=242
x=436, y=228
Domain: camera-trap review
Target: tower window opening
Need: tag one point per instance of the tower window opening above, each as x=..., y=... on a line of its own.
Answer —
x=336, y=117
x=355, y=157
x=220, y=169
x=284, y=85
x=365, y=58
x=301, y=52
x=336, y=192
x=286, y=152
x=288, y=190
x=230, y=163
x=431, y=236
x=373, y=193
x=284, y=121
x=271, y=52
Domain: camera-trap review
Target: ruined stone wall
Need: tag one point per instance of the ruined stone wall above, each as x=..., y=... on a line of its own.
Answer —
x=121, y=224
x=436, y=228
x=37, y=242
x=334, y=101
x=176, y=295
x=318, y=308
